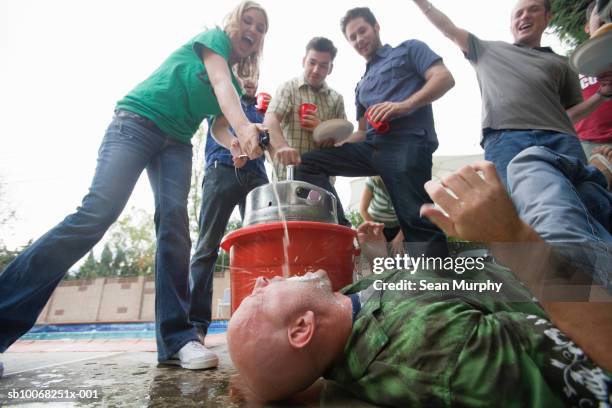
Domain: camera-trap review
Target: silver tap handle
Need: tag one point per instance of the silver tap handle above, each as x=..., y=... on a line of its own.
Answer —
x=290, y=169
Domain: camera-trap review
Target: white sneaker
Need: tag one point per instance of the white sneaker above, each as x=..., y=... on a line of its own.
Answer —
x=193, y=356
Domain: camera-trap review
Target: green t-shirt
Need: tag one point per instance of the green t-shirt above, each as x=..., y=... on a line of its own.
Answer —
x=179, y=95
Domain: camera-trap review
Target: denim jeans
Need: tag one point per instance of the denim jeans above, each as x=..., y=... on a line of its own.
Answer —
x=501, y=146
x=404, y=163
x=222, y=189
x=567, y=204
x=128, y=147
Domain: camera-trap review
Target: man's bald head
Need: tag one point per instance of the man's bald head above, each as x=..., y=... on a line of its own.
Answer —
x=275, y=337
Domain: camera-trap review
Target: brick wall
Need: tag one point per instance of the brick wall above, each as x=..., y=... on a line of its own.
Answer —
x=114, y=300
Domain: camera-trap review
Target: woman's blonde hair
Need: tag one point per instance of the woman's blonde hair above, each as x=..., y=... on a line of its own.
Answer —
x=248, y=66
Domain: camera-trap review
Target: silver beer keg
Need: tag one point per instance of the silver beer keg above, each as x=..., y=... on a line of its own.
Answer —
x=299, y=201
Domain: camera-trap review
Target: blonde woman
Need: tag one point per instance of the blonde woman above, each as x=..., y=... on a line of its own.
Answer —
x=151, y=130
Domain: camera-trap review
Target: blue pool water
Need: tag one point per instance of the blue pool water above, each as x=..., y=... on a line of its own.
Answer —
x=104, y=331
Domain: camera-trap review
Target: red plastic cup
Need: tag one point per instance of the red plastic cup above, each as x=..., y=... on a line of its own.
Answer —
x=263, y=99
x=305, y=109
x=379, y=127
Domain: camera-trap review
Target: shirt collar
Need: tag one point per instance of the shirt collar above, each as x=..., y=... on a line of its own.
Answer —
x=247, y=100
x=542, y=49
x=382, y=52
x=367, y=339
x=301, y=81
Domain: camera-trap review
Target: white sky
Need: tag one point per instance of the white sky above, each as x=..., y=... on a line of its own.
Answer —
x=64, y=64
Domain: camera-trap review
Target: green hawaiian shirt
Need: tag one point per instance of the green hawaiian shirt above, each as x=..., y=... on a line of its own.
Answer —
x=434, y=348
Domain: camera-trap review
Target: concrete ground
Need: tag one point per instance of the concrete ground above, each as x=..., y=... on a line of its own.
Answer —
x=134, y=379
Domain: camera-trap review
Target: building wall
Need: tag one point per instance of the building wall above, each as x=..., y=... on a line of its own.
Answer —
x=147, y=307
x=129, y=299
x=121, y=299
x=74, y=301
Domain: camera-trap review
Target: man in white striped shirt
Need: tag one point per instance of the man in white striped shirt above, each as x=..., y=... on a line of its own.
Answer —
x=376, y=206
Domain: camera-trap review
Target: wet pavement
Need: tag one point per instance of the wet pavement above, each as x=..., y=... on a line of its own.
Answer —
x=134, y=379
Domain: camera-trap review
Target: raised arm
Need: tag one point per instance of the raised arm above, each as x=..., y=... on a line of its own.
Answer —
x=364, y=204
x=458, y=35
x=227, y=97
x=483, y=212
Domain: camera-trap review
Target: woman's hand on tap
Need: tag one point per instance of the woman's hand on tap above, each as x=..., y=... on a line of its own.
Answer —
x=238, y=157
x=248, y=135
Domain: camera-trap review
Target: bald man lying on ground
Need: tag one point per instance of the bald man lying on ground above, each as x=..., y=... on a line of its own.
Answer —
x=402, y=347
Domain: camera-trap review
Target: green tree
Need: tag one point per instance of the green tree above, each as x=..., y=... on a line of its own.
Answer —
x=131, y=241
x=88, y=270
x=106, y=262
x=7, y=256
x=354, y=218
x=197, y=175
x=7, y=213
x=223, y=259
x=232, y=225
x=119, y=265
x=569, y=18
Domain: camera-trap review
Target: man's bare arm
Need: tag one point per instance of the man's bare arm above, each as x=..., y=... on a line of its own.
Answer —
x=364, y=204
x=480, y=210
x=360, y=134
x=229, y=101
x=458, y=35
x=580, y=111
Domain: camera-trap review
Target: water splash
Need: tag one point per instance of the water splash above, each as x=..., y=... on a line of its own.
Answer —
x=281, y=217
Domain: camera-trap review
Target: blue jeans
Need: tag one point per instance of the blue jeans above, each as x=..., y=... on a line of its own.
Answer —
x=129, y=146
x=221, y=192
x=567, y=204
x=404, y=163
x=501, y=146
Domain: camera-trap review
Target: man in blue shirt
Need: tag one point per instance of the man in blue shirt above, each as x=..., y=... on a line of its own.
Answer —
x=224, y=186
x=398, y=87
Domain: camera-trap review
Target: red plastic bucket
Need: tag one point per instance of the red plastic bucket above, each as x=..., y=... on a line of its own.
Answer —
x=257, y=250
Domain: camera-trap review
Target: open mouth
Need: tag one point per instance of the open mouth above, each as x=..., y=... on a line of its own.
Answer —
x=304, y=278
x=248, y=39
x=308, y=277
x=525, y=27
